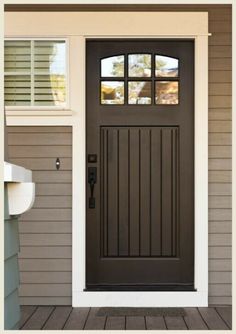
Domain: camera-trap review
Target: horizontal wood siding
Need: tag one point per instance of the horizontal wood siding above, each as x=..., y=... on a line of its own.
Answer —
x=220, y=168
x=37, y=148
x=45, y=231
x=11, y=268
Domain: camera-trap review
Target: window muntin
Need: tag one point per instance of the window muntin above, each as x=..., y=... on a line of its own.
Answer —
x=45, y=62
x=149, y=79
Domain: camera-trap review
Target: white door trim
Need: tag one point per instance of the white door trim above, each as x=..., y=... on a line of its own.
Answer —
x=162, y=25
x=159, y=298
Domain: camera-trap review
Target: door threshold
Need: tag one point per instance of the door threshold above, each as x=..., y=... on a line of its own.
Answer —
x=90, y=298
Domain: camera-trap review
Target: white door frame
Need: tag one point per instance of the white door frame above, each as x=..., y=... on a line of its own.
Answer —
x=162, y=298
x=77, y=27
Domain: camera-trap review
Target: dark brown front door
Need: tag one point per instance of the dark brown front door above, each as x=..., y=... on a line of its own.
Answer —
x=140, y=165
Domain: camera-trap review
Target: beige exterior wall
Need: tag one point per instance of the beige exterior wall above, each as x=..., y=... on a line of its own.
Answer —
x=46, y=230
x=220, y=206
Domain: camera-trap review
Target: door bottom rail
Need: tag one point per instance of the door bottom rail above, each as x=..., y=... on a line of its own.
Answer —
x=158, y=287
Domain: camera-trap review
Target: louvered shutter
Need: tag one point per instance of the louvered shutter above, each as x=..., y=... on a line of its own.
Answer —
x=17, y=67
x=35, y=73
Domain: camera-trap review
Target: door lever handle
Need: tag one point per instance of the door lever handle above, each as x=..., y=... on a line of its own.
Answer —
x=92, y=179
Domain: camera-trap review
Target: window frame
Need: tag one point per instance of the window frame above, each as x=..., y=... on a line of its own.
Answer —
x=66, y=107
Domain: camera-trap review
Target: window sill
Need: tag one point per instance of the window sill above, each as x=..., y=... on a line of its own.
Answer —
x=38, y=112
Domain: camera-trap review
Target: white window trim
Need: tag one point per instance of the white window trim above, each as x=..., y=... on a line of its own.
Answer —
x=78, y=26
x=30, y=110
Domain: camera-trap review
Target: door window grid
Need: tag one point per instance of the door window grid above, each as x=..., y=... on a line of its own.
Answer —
x=147, y=79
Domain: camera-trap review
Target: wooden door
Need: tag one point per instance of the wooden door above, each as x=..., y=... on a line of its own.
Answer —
x=140, y=165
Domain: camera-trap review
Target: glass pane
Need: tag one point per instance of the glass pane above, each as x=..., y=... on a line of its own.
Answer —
x=166, y=92
x=139, y=92
x=17, y=91
x=139, y=65
x=112, y=92
x=113, y=66
x=17, y=56
x=166, y=66
x=50, y=57
x=49, y=90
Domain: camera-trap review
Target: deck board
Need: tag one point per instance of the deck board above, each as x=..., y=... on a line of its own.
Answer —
x=68, y=318
x=95, y=322
x=226, y=314
x=212, y=318
x=175, y=323
x=135, y=323
x=58, y=318
x=39, y=318
x=26, y=313
x=156, y=323
x=115, y=323
x=193, y=319
x=77, y=318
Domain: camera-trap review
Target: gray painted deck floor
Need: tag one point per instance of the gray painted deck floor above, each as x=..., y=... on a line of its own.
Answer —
x=66, y=317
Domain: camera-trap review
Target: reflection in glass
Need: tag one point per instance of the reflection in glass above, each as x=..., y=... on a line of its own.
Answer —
x=139, y=92
x=113, y=66
x=139, y=65
x=50, y=57
x=166, y=92
x=166, y=66
x=50, y=73
x=112, y=92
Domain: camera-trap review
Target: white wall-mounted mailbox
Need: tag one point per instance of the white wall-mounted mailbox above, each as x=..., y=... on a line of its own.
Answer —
x=20, y=188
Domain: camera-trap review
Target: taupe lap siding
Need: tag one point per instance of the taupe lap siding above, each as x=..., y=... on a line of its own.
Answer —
x=220, y=101
x=46, y=264
x=45, y=231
